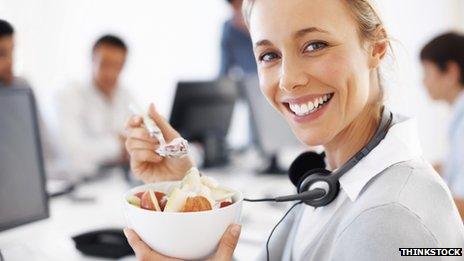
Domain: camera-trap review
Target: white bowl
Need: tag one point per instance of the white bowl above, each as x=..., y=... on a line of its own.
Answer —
x=184, y=235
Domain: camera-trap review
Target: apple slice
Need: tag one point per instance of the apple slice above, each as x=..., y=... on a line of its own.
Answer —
x=155, y=200
x=195, y=204
x=149, y=201
x=225, y=204
x=161, y=197
x=176, y=201
x=139, y=194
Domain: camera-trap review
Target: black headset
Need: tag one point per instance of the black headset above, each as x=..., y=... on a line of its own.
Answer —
x=317, y=186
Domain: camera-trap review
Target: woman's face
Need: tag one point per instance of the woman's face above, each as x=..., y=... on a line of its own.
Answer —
x=312, y=65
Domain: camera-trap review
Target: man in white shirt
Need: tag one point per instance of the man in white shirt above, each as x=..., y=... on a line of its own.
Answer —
x=92, y=116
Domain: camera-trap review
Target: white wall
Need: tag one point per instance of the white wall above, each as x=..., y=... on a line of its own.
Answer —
x=178, y=39
x=168, y=41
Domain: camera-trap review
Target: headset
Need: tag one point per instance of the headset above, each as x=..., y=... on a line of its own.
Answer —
x=317, y=186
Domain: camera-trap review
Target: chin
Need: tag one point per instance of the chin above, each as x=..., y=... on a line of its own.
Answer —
x=314, y=137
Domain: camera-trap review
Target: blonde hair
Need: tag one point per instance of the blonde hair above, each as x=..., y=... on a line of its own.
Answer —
x=367, y=18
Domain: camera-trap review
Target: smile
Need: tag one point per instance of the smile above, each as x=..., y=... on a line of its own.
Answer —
x=309, y=107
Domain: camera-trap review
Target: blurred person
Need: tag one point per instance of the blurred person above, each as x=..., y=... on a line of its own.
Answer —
x=443, y=63
x=7, y=77
x=53, y=163
x=237, y=62
x=318, y=66
x=92, y=115
x=236, y=48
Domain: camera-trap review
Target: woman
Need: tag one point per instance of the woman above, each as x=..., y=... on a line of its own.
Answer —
x=318, y=64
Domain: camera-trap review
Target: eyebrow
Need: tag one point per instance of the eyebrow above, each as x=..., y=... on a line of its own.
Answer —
x=308, y=30
x=263, y=43
x=298, y=34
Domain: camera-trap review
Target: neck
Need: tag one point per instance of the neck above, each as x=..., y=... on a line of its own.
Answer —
x=353, y=138
x=453, y=94
x=107, y=92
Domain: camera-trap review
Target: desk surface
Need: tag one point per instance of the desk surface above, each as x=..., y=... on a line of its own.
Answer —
x=50, y=239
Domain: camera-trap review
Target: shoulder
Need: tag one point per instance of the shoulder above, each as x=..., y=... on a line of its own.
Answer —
x=227, y=29
x=21, y=82
x=378, y=232
x=413, y=184
x=407, y=201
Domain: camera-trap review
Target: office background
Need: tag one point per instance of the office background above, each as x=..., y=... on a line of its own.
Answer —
x=179, y=39
x=175, y=40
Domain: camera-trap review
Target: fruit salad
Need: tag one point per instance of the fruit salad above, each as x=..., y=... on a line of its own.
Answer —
x=194, y=193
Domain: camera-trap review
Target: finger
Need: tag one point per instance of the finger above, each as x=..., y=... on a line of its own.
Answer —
x=145, y=156
x=228, y=243
x=168, y=131
x=134, y=121
x=141, y=134
x=142, y=250
x=133, y=144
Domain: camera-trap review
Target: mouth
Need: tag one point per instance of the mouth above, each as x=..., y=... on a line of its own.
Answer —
x=305, y=106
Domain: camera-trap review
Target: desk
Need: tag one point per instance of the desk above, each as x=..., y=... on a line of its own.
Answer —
x=50, y=239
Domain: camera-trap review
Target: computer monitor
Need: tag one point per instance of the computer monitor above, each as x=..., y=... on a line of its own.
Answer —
x=272, y=133
x=23, y=196
x=202, y=112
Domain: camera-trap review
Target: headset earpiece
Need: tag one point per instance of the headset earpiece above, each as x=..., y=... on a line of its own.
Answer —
x=306, y=161
x=322, y=179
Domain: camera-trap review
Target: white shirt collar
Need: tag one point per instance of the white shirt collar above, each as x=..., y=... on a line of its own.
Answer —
x=400, y=144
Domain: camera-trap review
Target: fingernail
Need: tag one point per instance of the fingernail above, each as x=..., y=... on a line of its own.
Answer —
x=235, y=230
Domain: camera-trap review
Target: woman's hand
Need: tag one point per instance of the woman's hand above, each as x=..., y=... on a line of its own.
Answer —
x=224, y=252
x=145, y=163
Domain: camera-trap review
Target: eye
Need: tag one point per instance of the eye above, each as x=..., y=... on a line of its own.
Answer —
x=268, y=57
x=315, y=46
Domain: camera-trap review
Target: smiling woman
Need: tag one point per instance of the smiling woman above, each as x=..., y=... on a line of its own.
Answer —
x=340, y=66
x=318, y=65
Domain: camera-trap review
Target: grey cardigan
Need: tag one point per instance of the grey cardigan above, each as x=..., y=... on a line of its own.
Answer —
x=406, y=205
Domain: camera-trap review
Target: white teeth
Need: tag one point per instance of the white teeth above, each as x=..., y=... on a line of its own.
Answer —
x=309, y=107
x=304, y=109
x=292, y=107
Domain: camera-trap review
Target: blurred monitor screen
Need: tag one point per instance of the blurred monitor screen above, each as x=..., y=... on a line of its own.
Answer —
x=203, y=107
x=272, y=132
x=23, y=197
x=202, y=112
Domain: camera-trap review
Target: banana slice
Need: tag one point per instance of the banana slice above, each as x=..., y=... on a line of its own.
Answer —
x=134, y=200
x=219, y=194
x=192, y=179
x=209, y=181
x=176, y=201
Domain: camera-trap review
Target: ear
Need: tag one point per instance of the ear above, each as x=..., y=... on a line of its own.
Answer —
x=378, y=48
x=453, y=72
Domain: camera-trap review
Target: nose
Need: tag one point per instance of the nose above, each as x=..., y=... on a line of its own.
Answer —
x=292, y=75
